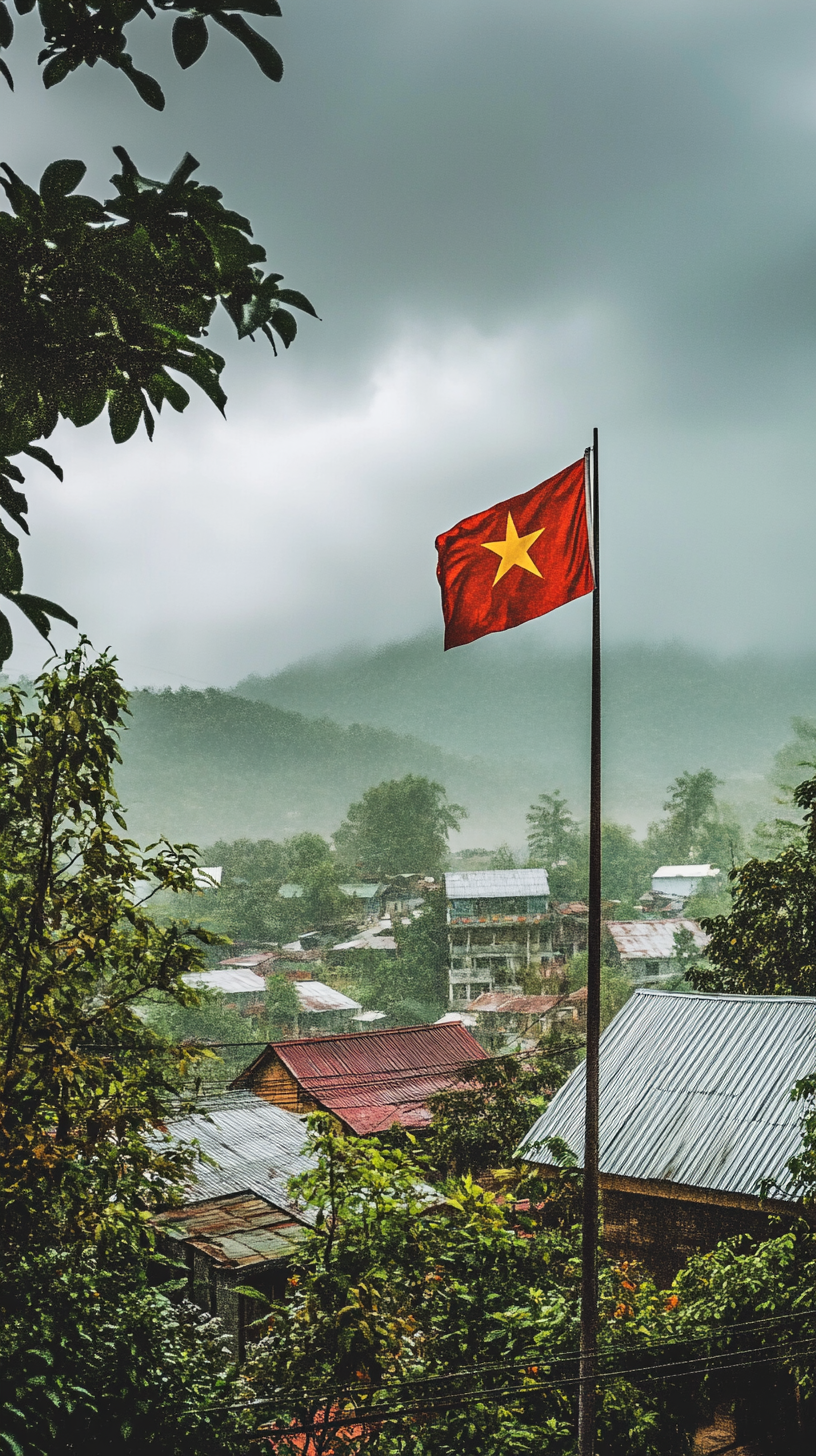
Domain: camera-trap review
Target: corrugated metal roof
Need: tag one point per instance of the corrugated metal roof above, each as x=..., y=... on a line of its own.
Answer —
x=371, y=1079
x=231, y=978
x=362, y=892
x=371, y=939
x=314, y=996
x=685, y=872
x=256, y=1146
x=236, y=1230
x=653, y=939
x=495, y=884
x=254, y=960
x=694, y=1089
x=290, y=892
x=516, y=1005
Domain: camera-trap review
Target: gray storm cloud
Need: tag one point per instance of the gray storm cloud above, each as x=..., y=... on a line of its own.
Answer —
x=516, y=221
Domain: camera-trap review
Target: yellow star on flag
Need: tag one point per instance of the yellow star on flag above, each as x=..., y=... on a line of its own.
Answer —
x=513, y=550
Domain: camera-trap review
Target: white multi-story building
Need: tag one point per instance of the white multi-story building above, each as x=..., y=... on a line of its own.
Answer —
x=498, y=924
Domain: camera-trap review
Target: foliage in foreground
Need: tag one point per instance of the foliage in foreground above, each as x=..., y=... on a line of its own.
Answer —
x=93, y=1360
x=100, y=300
x=90, y=1358
x=455, y=1320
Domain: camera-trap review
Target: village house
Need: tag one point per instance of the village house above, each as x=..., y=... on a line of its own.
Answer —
x=368, y=1079
x=321, y=1009
x=498, y=925
x=679, y=882
x=695, y=1114
x=238, y=1226
x=505, y=1020
x=646, y=948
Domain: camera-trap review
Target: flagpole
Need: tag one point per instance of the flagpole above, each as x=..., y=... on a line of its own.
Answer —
x=587, y=1390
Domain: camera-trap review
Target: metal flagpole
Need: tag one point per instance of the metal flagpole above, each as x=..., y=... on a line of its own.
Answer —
x=587, y=1390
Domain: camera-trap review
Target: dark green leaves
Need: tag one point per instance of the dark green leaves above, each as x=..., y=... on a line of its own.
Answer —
x=106, y=305
x=6, y=27
x=190, y=40
x=86, y=31
x=262, y=52
x=60, y=178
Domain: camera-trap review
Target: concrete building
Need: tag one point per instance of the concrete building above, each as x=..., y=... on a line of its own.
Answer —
x=498, y=925
x=681, y=881
x=695, y=1113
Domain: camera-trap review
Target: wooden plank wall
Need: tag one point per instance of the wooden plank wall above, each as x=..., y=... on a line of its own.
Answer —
x=275, y=1083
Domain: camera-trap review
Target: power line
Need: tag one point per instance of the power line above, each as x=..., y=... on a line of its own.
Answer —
x=672, y=1370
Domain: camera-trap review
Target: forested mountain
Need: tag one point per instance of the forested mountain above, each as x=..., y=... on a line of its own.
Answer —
x=666, y=709
x=204, y=766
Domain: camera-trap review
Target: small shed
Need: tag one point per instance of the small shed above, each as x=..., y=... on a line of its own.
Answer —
x=695, y=1112
x=239, y=1223
x=681, y=881
x=368, y=1079
x=646, y=948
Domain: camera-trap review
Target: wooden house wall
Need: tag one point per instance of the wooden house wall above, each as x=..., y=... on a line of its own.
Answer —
x=275, y=1083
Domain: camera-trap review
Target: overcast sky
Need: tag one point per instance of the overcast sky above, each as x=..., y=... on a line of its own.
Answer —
x=517, y=220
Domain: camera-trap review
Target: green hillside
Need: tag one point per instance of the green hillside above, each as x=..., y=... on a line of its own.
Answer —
x=666, y=709
x=208, y=765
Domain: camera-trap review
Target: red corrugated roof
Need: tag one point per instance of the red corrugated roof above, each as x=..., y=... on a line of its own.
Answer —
x=371, y=1079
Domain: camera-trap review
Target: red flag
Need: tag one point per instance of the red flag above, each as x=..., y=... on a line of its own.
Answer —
x=518, y=560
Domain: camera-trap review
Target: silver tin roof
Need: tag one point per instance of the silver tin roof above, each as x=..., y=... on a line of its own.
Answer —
x=256, y=1146
x=496, y=884
x=694, y=1089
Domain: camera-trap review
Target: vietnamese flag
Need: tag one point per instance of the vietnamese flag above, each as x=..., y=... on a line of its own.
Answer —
x=518, y=560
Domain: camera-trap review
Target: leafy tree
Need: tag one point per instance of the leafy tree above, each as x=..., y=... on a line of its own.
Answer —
x=89, y=1356
x=767, y=944
x=553, y=834
x=503, y=858
x=104, y=303
x=696, y=829
x=282, y=1007
x=624, y=864
x=323, y=901
x=93, y=1361
x=395, y=1300
x=83, y=1077
x=401, y=826
x=478, y=1126
x=82, y=32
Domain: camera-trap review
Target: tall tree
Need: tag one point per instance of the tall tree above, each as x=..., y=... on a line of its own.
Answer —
x=400, y=826
x=696, y=829
x=84, y=1081
x=553, y=834
x=767, y=944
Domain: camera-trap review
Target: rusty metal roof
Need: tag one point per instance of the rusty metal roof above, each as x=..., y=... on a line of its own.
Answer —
x=651, y=939
x=371, y=1079
x=694, y=1089
x=255, y=1146
x=517, y=1005
x=236, y=1230
x=495, y=884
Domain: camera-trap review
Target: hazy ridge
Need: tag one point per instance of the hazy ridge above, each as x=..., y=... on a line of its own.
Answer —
x=209, y=765
x=666, y=709
x=496, y=725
